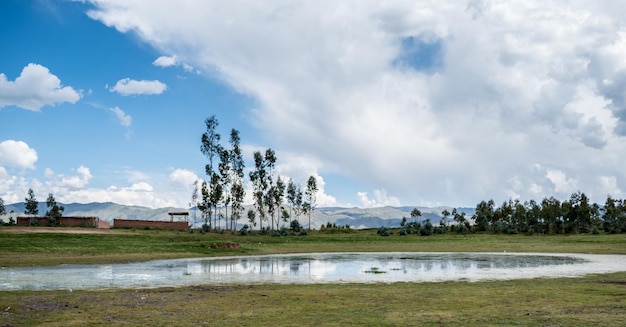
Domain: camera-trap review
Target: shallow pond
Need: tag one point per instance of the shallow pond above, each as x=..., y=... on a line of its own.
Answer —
x=312, y=268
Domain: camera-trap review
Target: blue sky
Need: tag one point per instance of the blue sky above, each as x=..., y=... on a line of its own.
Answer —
x=403, y=103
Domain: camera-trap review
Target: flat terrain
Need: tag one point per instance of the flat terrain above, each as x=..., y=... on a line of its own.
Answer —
x=598, y=300
x=64, y=230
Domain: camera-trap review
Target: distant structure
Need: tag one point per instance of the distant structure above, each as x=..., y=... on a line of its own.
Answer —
x=174, y=225
x=133, y=223
x=67, y=221
x=179, y=213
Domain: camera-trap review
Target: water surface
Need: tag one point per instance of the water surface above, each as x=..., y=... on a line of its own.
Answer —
x=312, y=268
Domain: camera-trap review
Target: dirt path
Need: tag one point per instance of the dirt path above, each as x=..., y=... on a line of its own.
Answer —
x=74, y=230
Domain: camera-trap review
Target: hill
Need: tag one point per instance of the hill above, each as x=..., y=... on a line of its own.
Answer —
x=358, y=218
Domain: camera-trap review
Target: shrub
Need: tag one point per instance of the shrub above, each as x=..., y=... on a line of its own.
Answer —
x=245, y=230
x=383, y=231
x=428, y=228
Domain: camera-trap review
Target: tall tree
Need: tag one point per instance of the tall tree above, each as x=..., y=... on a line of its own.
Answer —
x=205, y=206
x=291, y=196
x=212, y=149
x=269, y=193
x=279, y=194
x=311, y=191
x=445, y=213
x=483, y=215
x=215, y=195
x=226, y=179
x=32, y=206
x=415, y=213
x=258, y=177
x=237, y=163
x=612, y=215
x=55, y=212
x=551, y=215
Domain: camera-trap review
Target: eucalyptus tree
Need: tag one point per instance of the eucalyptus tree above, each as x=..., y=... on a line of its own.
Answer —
x=444, y=222
x=55, y=212
x=278, y=196
x=533, y=216
x=294, y=198
x=415, y=213
x=215, y=195
x=483, y=215
x=291, y=196
x=258, y=177
x=212, y=149
x=205, y=206
x=226, y=179
x=579, y=214
x=237, y=164
x=311, y=191
x=268, y=196
x=551, y=215
x=614, y=216
x=32, y=206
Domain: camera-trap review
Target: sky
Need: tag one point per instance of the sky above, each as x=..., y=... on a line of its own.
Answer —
x=400, y=103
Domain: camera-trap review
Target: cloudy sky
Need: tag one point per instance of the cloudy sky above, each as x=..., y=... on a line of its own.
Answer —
x=385, y=102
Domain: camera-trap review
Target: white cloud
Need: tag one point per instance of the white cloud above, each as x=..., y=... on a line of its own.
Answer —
x=129, y=86
x=511, y=85
x=562, y=184
x=380, y=199
x=78, y=181
x=17, y=154
x=183, y=176
x=165, y=61
x=34, y=88
x=124, y=119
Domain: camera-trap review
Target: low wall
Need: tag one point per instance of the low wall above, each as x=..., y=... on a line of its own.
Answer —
x=103, y=224
x=127, y=223
x=63, y=221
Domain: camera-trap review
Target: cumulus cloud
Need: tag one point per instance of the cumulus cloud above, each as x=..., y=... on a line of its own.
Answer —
x=129, y=86
x=165, y=61
x=380, y=199
x=124, y=119
x=17, y=154
x=430, y=101
x=183, y=177
x=169, y=61
x=34, y=88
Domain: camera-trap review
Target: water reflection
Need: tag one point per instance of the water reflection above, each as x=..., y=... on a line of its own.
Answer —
x=311, y=268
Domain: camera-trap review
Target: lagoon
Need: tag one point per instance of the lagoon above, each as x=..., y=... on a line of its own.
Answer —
x=312, y=268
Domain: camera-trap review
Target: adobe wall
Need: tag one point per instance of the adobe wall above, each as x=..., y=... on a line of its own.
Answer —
x=127, y=223
x=63, y=221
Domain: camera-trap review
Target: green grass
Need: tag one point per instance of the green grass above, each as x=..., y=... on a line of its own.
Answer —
x=598, y=300
x=590, y=301
x=22, y=249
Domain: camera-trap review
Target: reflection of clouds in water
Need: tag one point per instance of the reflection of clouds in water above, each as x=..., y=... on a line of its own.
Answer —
x=312, y=268
x=318, y=269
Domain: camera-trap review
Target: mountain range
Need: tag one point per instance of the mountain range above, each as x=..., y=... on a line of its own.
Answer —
x=357, y=218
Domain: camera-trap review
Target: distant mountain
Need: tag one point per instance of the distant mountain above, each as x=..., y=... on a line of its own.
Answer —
x=358, y=218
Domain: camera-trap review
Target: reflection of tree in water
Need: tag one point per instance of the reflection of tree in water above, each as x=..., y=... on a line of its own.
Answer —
x=294, y=267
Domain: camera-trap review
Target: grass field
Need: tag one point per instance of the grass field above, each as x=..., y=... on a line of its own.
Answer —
x=598, y=300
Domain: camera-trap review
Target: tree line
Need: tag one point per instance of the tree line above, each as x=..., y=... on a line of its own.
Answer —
x=224, y=187
x=550, y=216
